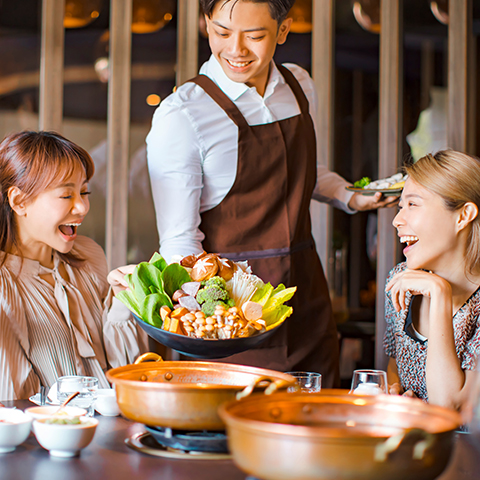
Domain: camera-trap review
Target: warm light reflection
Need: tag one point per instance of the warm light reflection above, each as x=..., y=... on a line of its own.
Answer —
x=301, y=13
x=79, y=13
x=149, y=16
x=359, y=401
x=367, y=14
x=350, y=423
x=440, y=10
x=102, y=69
x=153, y=99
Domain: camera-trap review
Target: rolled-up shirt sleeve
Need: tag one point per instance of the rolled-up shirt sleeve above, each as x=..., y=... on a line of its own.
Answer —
x=174, y=157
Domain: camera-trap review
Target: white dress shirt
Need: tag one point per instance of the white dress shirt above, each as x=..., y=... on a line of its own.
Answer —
x=192, y=151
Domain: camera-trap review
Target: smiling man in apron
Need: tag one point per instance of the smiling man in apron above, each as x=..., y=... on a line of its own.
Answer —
x=232, y=161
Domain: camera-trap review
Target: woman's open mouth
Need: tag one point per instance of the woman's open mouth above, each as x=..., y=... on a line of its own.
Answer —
x=69, y=229
x=410, y=240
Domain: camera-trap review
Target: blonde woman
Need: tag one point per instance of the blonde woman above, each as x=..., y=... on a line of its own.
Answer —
x=433, y=299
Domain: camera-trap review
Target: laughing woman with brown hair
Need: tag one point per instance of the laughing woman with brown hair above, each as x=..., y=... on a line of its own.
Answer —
x=57, y=316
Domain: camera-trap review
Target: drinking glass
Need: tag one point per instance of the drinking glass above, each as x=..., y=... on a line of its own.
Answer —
x=87, y=386
x=369, y=382
x=307, y=382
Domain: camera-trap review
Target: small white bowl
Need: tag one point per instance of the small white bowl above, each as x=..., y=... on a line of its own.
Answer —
x=106, y=402
x=65, y=440
x=38, y=413
x=14, y=429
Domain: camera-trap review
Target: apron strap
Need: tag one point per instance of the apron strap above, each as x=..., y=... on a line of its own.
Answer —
x=296, y=88
x=219, y=97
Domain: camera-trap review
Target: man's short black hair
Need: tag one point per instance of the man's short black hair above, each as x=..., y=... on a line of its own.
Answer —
x=278, y=8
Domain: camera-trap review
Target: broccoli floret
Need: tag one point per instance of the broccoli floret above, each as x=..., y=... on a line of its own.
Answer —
x=362, y=183
x=211, y=293
x=230, y=303
x=208, y=307
x=216, y=281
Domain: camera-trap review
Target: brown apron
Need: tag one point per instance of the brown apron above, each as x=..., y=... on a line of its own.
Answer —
x=265, y=219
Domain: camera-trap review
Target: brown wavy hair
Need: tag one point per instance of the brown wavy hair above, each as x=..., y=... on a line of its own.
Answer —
x=33, y=162
x=455, y=177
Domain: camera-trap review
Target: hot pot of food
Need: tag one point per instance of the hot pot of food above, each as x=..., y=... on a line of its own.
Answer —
x=334, y=435
x=186, y=395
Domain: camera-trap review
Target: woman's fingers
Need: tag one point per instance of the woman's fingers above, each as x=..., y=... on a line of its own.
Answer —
x=116, y=278
x=395, y=389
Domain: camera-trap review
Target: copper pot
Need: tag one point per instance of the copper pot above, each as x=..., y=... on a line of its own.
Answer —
x=334, y=435
x=186, y=395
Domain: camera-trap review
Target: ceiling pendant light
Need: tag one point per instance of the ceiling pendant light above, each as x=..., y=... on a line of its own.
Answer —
x=301, y=13
x=149, y=16
x=79, y=13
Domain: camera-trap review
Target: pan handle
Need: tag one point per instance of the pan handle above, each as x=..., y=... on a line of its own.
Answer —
x=273, y=386
x=148, y=356
x=383, y=450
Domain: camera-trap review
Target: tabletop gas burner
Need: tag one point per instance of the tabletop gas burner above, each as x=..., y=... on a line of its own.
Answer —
x=190, y=441
x=180, y=444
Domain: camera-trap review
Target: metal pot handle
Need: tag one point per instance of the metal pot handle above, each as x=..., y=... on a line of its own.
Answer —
x=273, y=387
x=148, y=356
x=383, y=450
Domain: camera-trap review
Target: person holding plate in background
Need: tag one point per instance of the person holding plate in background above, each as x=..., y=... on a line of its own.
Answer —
x=432, y=301
x=232, y=161
x=57, y=316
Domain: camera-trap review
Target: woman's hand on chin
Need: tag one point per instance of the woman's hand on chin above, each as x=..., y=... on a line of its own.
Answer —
x=116, y=278
x=417, y=282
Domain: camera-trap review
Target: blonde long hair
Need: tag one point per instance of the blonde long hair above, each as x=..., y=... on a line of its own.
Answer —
x=455, y=177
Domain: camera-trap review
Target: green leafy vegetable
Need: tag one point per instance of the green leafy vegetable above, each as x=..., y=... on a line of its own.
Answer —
x=150, y=286
x=262, y=294
x=278, y=297
x=362, y=183
x=150, y=308
x=277, y=316
x=272, y=300
x=174, y=276
x=158, y=261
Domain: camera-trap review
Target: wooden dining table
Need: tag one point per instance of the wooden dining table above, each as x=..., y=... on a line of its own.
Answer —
x=109, y=457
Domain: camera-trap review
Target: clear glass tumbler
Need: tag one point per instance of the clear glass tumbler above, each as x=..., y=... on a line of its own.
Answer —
x=307, y=382
x=369, y=382
x=87, y=386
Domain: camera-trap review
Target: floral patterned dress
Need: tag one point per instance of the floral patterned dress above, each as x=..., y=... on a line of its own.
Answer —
x=410, y=352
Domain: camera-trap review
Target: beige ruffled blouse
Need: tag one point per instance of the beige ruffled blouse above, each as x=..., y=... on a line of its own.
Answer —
x=76, y=327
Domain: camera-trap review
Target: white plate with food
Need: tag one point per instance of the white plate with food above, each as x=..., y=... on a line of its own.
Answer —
x=390, y=186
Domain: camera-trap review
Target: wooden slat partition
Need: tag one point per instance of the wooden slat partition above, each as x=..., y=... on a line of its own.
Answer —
x=118, y=131
x=51, y=66
x=187, y=59
x=459, y=44
x=187, y=40
x=390, y=141
x=323, y=68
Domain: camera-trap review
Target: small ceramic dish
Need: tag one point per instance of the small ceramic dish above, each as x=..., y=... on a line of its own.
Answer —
x=14, y=428
x=48, y=411
x=65, y=440
x=106, y=402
